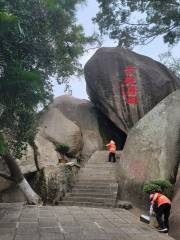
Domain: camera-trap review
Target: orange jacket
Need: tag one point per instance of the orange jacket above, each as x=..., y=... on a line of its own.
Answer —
x=111, y=147
x=160, y=198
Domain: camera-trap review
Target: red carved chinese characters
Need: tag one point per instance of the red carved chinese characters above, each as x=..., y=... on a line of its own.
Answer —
x=129, y=88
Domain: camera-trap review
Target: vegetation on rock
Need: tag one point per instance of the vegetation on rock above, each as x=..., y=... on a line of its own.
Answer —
x=62, y=148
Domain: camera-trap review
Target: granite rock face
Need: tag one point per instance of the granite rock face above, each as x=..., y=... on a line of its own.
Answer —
x=174, y=230
x=59, y=129
x=152, y=148
x=124, y=85
x=83, y=114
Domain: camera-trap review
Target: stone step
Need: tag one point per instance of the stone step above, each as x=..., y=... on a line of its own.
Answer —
x=102, y=181
x=86, y=204
x=95, y=184
x=105, y=158
x=90, y=194
x=105, y=178
x=90, y=190
x=98, y=173
x=96, y=178
x=89, y=199
x=95, y=165
x=98, y=168
x=102, y=161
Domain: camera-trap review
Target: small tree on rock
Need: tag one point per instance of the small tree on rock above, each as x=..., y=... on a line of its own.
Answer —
x=62, y=149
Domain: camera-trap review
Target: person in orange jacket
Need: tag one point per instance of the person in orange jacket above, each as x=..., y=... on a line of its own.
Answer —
x=112, y=150
x=162, y=211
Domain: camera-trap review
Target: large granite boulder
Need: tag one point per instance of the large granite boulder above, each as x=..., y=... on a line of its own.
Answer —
x=27, y=162
x=84, y=115
x=125, y=85
x=45, y=151
x=152, y=148
x=58, y=129
x=174, y=230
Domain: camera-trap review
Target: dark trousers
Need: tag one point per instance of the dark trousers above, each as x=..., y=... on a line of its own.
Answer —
x=112, y=156
x=163, y=212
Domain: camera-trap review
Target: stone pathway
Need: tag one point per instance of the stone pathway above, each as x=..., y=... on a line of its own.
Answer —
x=96, y=185
x=18, y=222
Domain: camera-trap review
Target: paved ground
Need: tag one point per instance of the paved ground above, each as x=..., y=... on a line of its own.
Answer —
x=18, y=222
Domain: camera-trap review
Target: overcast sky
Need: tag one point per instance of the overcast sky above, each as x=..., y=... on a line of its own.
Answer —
x=85, y=14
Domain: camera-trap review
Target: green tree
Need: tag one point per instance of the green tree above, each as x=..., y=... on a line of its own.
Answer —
x=139, y=22
x=38, y=39
x=62, y=149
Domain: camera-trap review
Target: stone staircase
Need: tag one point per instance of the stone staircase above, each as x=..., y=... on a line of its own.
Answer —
x=96, y=185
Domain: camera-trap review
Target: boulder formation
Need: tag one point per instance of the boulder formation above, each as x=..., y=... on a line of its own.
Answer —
x=67, y=121
x=124, y=85
x=59, y=129
x=175, y=211
x=152, y=148
x=84, y=115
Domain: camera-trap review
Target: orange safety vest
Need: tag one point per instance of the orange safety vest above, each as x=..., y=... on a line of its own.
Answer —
x=112, y=147
x=161, y=199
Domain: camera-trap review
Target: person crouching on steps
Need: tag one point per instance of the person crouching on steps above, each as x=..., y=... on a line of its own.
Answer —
x=162, y=211
x=112, y=150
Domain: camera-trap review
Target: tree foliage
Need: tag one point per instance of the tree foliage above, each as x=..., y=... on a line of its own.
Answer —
x=38, y=39
x=173, y=63
x=139, y=22
x=151, y=188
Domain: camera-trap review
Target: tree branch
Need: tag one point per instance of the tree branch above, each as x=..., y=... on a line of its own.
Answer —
x=136, y=24
x=151, y=40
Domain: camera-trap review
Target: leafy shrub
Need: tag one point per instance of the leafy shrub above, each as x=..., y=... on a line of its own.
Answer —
x=62, y=148
x=164, y=184
x=151, y=188
x=159, y=186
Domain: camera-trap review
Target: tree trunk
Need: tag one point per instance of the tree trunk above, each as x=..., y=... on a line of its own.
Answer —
x=29, y=193
x=17, y=176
